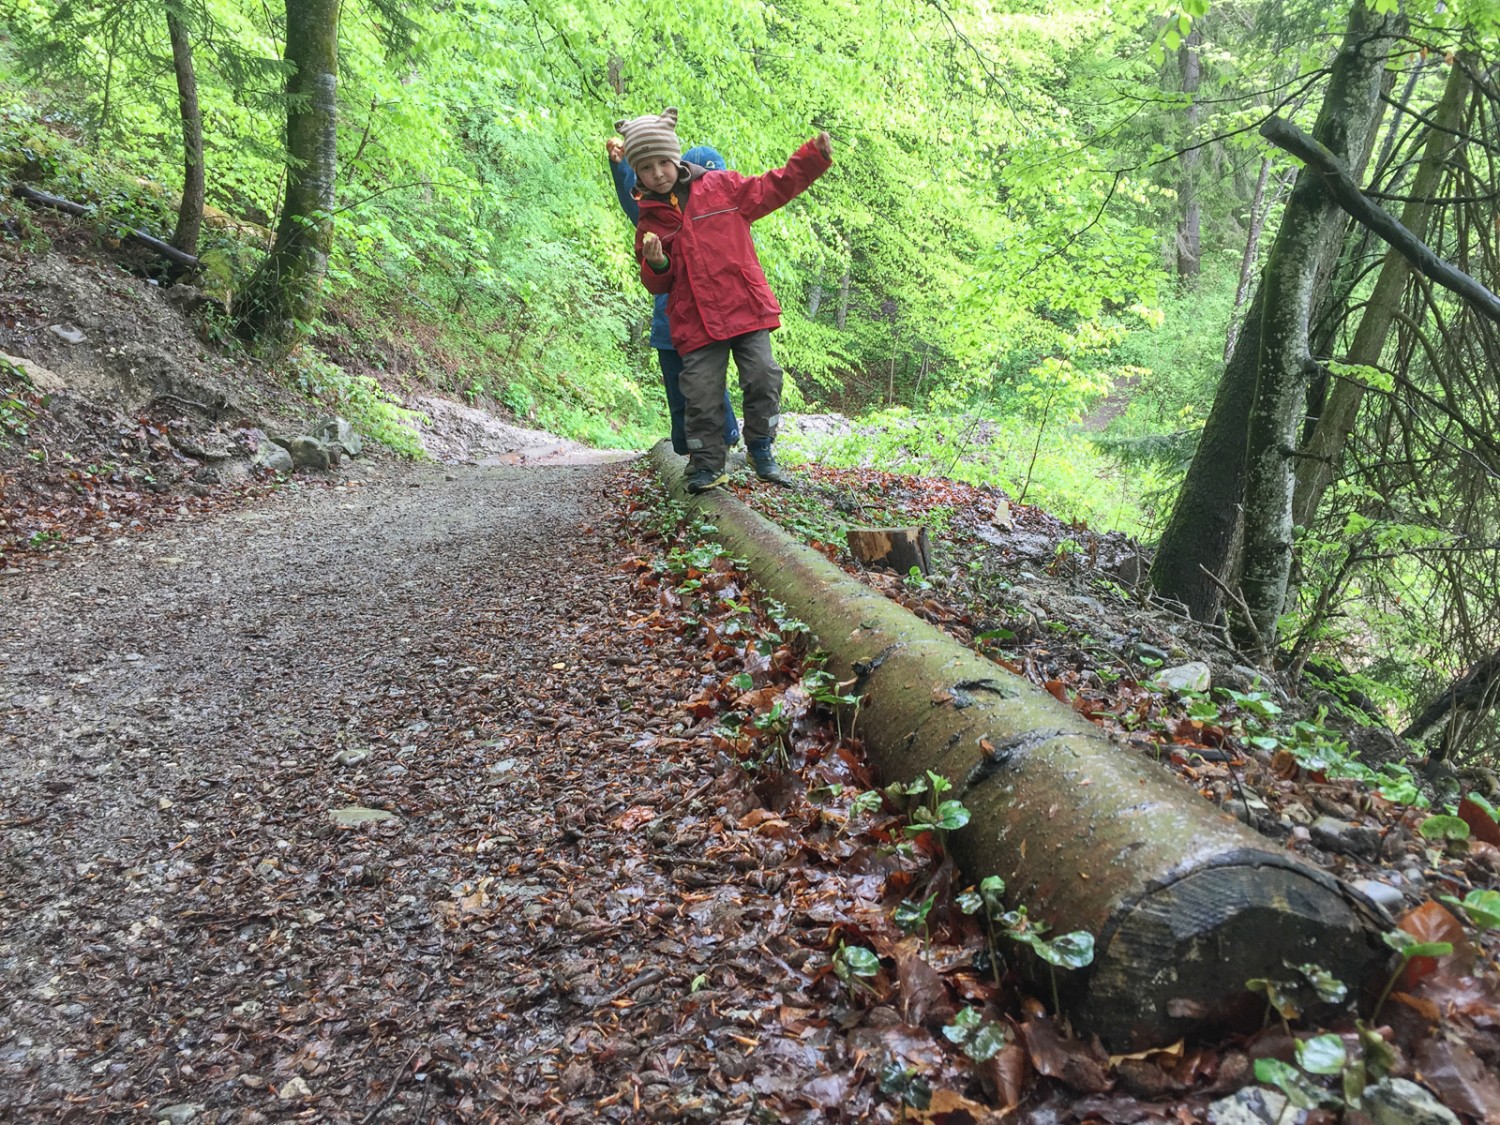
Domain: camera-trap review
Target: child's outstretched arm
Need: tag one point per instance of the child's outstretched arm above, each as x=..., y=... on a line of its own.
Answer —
x=760, y=195
x=624, y=176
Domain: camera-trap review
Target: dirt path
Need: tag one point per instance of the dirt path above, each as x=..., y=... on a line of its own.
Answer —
x=186, y=934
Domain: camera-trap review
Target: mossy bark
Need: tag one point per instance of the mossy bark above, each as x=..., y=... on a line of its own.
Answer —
x=284, y=290
x=1185, y=903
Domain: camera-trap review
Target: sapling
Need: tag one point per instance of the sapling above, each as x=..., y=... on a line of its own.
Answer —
x=980, y=1039
x=911, y=915
x=854, y=965
x=988, y=901
x=905, y=1084
x=1406, y=948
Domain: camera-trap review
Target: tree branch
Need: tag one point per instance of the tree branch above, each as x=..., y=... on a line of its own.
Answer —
x=1284, y=135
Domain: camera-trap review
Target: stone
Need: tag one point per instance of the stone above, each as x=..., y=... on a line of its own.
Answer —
x=309, y=453
x=1381, y=894
x=180, y=1114
x=210, y=445
x=1334, y=835
x=1253, y=1105
x=351, y=757
x=354, y=815
x=1192, y=676
x=67, y=333
x=1395, y=1101
x=1144, y=651
x=337, y=431
x=294, y=1088
x=273, y=457
x=41, y=378
x=188, y=298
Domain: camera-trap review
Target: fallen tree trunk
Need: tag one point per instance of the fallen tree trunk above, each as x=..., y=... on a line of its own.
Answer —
x=1185, y=903
x=68, y=207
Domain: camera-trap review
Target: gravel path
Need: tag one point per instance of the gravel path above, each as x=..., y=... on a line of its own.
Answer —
x=185, y=932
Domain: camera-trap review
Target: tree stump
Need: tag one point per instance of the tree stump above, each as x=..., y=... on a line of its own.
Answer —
x=899, y=548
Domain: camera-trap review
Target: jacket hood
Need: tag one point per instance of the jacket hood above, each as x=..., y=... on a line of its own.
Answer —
x=706, y=157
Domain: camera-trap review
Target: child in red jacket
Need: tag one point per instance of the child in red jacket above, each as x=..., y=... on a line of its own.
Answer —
x=693, y=243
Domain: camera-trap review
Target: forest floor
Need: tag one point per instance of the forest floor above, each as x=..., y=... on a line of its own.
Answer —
x=489, y=793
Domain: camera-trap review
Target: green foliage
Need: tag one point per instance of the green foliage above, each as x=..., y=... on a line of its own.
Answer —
x=854, y=965
x=19, y=401
x=980, y=1039
x=1068, y=476
x=1481, y=907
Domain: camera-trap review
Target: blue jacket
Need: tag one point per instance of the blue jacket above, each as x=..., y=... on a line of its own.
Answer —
x=624, y=177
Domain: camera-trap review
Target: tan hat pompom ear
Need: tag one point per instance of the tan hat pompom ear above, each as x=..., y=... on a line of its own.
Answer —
x=620, y=125
x=670, y=115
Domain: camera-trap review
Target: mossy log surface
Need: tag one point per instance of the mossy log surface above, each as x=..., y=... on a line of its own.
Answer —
x=1186, y=904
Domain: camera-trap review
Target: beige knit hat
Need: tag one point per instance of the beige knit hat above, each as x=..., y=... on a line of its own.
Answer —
x=651, y=136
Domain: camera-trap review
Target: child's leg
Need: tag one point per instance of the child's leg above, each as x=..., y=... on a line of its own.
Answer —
x=671, y=371
x=760, y=383
x=702, y=384
x=731, y=423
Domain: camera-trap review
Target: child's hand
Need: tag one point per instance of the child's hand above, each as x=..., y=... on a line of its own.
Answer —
x=616, y=149
x=651, y=247
x=825, y=145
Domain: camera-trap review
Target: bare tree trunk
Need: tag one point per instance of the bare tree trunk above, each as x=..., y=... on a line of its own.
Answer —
x=842, y=316
x=1468, y=698
x=1316, y=469
x=1200, y=543
x=190, y=210
x=1312, y=224
x=285, y=288
x=1189, y=227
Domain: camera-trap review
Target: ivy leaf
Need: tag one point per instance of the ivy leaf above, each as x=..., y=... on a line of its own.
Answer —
x=1069, y=951
x=1322, y=1054
x=1329, y=988
x=987, y=1042
x=1482, y=907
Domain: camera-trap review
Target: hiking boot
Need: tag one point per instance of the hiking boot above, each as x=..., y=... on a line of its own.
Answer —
x=702, y=480
x=763, y=461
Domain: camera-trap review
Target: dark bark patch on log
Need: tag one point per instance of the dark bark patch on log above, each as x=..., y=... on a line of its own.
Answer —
x=1001, y=755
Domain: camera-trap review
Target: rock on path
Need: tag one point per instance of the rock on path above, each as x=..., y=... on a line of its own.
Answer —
x=191, y=915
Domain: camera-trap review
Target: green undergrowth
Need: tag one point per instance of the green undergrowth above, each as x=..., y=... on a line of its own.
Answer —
x=1062, y=472
x=543, y=344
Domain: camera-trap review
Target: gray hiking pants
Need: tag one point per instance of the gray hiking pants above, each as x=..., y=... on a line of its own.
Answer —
x=702, y=381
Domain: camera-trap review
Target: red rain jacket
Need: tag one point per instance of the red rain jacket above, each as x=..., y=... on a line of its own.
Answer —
x=716, y=288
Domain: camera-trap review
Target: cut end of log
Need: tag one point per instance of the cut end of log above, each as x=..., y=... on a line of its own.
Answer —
x=900, y=548
x=1179, y=962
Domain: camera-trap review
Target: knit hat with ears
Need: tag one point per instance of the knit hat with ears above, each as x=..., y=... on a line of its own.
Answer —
x=651, y=136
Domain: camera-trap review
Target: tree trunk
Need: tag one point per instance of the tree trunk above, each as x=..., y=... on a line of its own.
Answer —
x=1202, y=532
x=1184, y=903
x=1471, y=695
x=1189, y=227
x=1259, y=208
x=842, y=316
x=190, y=210
x=284, y=289
x=1311, y=226
x=1316, y=470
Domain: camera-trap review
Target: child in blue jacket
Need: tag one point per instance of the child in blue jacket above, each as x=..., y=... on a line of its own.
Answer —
x=623, y=174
